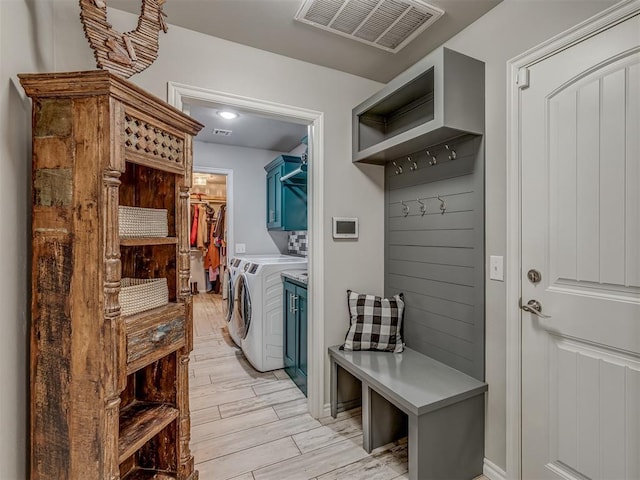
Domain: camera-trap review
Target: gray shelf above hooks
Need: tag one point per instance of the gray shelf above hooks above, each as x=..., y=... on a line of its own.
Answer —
x=439, y=98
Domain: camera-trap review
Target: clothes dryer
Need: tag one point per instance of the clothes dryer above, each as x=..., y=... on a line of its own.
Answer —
x=259, y=313
x=229, y=295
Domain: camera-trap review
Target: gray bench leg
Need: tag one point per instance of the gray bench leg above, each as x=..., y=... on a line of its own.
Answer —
x=334, y=389
x=382, y=421
x=345, y=391
x=367, y=441
x=448, y=443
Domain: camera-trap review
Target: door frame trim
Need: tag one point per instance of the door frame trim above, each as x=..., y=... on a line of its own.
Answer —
x=517, y=81
x=177, y=95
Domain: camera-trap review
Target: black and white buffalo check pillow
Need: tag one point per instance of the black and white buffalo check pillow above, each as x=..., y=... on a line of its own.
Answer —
x=375, y=323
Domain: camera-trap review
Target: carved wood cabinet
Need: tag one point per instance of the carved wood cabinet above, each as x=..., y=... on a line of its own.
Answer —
x=109, y=393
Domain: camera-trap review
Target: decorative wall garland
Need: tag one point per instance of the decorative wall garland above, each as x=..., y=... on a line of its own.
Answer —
x=124, y=54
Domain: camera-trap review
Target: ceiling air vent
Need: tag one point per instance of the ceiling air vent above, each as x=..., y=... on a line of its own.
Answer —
x=386, y=24
x=222, y=132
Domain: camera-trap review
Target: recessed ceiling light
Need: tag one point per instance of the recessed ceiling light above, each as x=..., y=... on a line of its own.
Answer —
x=227, y=115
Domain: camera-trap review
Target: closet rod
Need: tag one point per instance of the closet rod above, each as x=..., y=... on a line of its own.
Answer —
x=294, y=173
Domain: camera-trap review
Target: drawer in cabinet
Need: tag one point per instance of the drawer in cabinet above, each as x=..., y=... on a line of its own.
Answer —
x=153, y=335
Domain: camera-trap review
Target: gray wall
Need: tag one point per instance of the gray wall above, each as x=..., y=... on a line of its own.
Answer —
x=25, y=46
x=249, y=193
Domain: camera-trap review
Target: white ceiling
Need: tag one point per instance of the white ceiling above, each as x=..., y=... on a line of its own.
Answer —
x=269, y=25
x=248, y=130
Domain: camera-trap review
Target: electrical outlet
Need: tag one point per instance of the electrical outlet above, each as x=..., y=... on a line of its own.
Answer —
x=241, y=248
x=496, y=268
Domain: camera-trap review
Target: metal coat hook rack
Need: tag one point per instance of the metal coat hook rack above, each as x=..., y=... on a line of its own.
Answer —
x=443, y=205
x=405, y=208
x=432, y=159
x=452, y=153
x=423, y=207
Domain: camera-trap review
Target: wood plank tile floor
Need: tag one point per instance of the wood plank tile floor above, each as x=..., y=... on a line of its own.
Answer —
x=248, y=425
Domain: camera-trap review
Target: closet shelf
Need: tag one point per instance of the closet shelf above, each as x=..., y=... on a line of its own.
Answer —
x=141, y=474
x=202, y=198
x=144, y=241
x=139, y=423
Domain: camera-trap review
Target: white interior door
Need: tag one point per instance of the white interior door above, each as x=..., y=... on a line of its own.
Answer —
x=580, y=151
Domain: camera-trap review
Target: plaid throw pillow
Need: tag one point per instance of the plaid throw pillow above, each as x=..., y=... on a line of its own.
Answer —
x=375, y=323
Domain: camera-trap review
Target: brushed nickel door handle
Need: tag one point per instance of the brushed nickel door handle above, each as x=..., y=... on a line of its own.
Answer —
x=535, y=307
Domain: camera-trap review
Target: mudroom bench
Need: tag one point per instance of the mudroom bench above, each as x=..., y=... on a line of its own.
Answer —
x=440, y=409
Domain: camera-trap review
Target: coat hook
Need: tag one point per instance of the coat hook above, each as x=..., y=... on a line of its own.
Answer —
x=398, y=168
x=452, y=153
x=423, y=208
x=433, y=161
x=412, y=164
x=443, y=205
x=405, y=208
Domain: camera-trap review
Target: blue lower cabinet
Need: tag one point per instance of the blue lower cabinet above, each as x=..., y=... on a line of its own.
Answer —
x=295, y=332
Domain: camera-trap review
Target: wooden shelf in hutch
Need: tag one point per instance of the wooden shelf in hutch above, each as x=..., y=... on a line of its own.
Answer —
x=139, y=423
x=109, y=393
x=142, y=241
x=149, y=475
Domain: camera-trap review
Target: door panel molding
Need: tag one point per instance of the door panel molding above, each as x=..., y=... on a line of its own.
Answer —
x=601, y=22
x=604, y=381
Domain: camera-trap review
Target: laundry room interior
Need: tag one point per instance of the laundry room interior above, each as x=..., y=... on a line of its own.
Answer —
x=255, y=208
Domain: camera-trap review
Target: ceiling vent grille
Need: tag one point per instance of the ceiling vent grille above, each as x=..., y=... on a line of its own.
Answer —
x=386, y=24
x=222, y=132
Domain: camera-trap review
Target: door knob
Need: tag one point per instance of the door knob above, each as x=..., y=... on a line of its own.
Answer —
x=534, y=276
x=534, y=306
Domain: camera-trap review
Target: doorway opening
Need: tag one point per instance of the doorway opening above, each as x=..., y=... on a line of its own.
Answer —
x=208, y=234
x=187, y=99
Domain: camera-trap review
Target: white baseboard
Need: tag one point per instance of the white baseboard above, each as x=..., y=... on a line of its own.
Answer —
x=492, y=471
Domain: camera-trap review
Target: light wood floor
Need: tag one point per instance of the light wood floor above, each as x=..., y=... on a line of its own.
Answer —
x=248, y=425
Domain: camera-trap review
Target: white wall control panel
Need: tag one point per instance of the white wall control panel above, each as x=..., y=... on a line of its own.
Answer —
x=345, y=227
x=241, y=248
x=496, y=268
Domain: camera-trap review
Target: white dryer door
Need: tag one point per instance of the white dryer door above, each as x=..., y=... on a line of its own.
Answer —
x=243, y=317
x=228, y=295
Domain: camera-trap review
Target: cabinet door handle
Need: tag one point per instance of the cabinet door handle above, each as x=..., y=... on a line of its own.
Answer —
x=160, y=333
x=290, y=303
x=295, y=303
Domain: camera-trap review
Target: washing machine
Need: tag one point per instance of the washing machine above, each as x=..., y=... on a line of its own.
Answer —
x=259, y=314
x=230, y=297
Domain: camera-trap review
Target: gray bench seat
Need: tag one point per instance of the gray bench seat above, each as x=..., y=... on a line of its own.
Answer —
x=440, y=408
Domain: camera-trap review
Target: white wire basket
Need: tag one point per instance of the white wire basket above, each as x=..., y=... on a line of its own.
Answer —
x=142, y=222
x=142, y=294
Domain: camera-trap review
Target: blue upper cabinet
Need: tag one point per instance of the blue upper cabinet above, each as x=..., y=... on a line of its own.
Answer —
x=286, y=193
